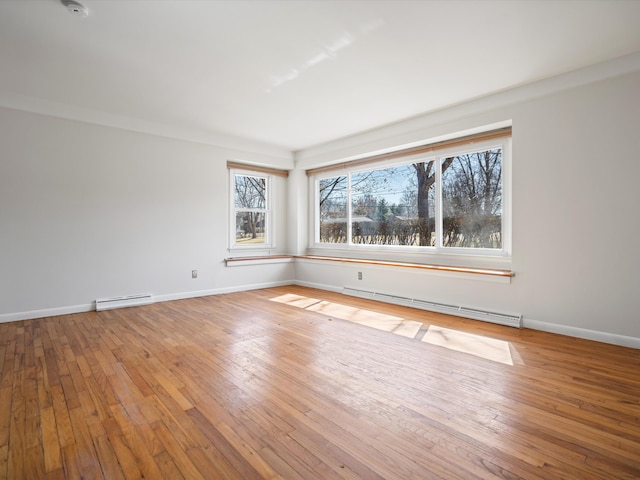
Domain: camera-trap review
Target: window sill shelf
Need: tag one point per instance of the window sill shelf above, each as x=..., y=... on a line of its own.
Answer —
x=258, y=260
x=422, y=266
x=237, y=261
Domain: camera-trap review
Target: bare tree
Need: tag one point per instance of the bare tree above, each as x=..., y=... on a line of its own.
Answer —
x=472, y=200
x=329, y=186
x=426, y=176
x=250, y=193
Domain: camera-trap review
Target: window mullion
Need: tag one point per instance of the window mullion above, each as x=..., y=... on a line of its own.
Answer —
x=268, y=212
x=349, y=211
x=438, y=203
x=317, y=210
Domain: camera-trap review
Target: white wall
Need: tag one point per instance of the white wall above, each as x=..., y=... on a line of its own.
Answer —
x=88, y=211
x=576, y=195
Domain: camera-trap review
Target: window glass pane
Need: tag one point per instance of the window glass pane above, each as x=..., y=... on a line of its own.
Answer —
x=394, y=206
x=472, y=200
x=333, y=209
x=250, y=228
x=250, y=192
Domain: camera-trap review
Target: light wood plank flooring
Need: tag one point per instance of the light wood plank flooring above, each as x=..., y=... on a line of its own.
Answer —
x=281, y=383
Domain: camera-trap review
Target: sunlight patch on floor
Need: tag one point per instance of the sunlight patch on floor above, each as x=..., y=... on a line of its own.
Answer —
x=295, y=300
x=380, y=321
x=478, y=345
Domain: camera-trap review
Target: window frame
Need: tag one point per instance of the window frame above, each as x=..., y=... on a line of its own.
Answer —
x=427, y=254
x=269, y=223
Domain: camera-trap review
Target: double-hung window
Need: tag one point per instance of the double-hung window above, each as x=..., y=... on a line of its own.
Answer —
x=449, y=198
x=255, y=193
x=251, y=212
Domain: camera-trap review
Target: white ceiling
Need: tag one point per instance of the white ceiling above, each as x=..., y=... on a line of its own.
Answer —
x=297, y=73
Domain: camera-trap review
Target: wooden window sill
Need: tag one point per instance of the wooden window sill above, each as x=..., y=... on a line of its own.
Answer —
x=423, y=266
x=258, y=260
x=236, y=261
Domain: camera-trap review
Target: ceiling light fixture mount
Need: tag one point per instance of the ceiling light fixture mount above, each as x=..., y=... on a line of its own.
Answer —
x=75, y=8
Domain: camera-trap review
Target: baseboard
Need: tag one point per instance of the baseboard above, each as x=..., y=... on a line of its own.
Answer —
x=56, y=311
x=319, y=286
x=611, y=338
x=604, y=337
x=47, y=312
x=219, y=291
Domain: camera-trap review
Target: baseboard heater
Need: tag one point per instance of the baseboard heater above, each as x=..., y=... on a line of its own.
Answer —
x=473, y=313
x=122, y=302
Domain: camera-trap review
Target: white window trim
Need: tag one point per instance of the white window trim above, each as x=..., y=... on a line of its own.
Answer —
x=270, y=237
x=474, y=257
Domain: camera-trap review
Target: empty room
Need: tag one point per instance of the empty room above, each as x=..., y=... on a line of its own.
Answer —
x=309, y=239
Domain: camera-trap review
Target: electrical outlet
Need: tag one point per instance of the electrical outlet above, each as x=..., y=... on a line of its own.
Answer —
x=359, y=275
x=194, y=273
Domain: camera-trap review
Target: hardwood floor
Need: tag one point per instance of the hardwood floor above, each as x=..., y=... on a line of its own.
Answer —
x=274, y=384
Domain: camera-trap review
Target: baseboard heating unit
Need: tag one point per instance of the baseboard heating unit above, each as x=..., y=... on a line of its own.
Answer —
x=122, y=302
x=460, y=311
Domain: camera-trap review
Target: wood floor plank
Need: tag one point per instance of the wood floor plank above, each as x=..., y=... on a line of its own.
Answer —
x=227, y=459
x=84, y=440
x=63, y=421
x=34, y=467
x=17, y=457
x=286, y=383
x=298, y=459
x=6, y=395
x=109, y=464
x=142, y=451
x=250, y=454
x=52, y=455
x=71, y=463
x=167, y=466
x=4, y=462
x=122, y=449
x=176, y=452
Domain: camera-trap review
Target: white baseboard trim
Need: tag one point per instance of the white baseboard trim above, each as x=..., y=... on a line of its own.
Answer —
x=219, y=291
x=583, y=333
x=53, y=312
x=319, y=286
x=611, y=338
x=47, y=312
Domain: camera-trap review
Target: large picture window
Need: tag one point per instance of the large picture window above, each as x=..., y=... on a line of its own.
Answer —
x=445, y=200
